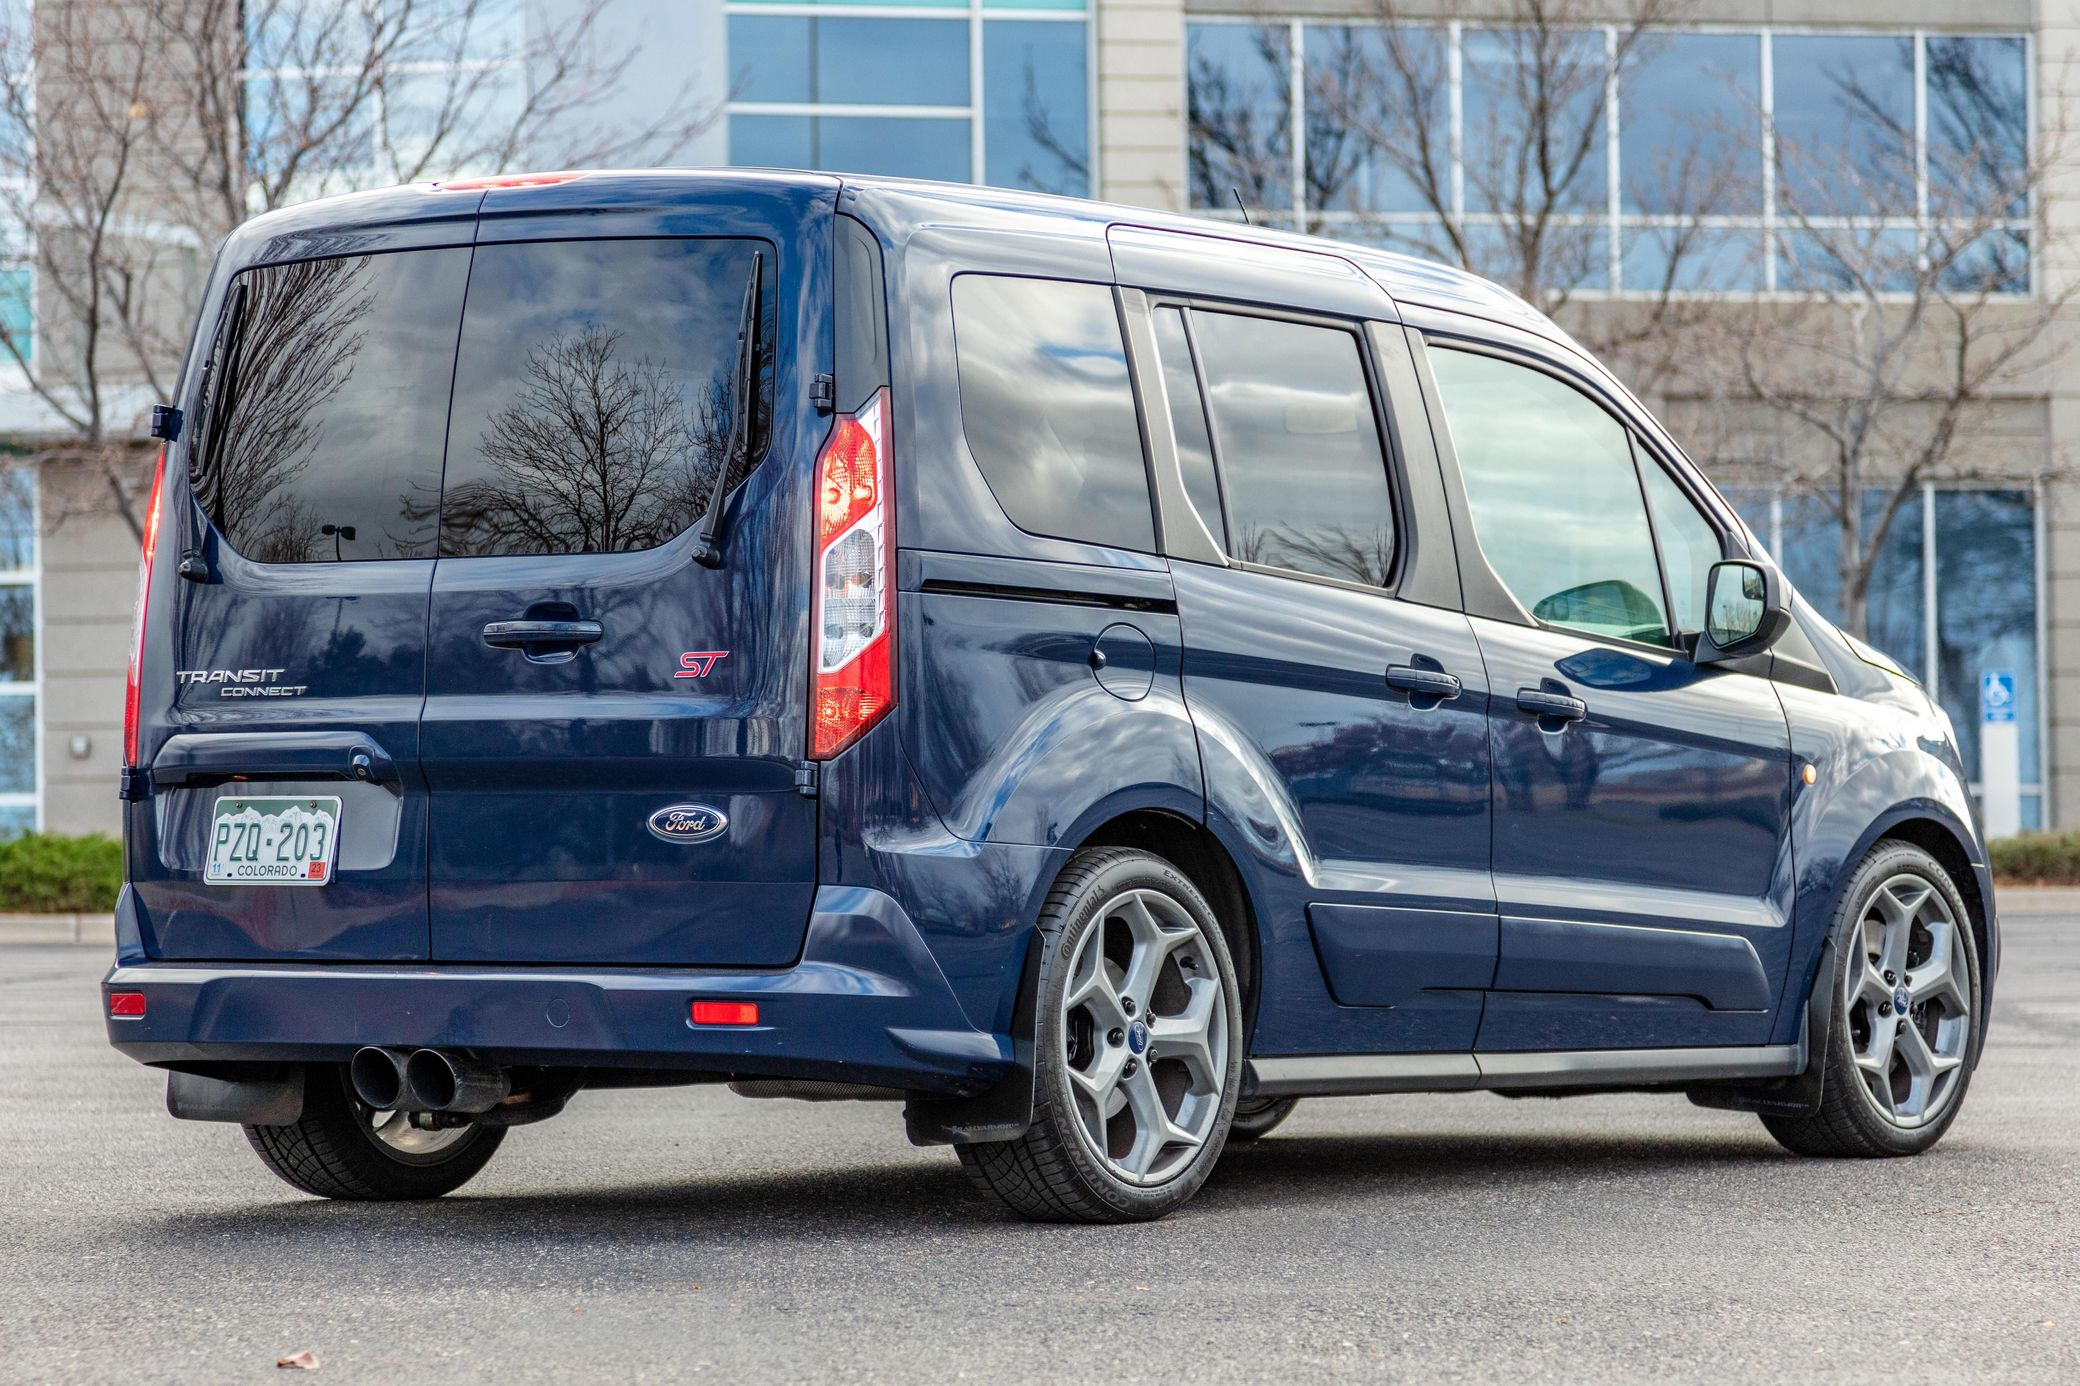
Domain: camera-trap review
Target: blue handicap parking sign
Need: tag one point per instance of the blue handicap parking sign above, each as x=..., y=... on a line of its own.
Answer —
x=1996, y=695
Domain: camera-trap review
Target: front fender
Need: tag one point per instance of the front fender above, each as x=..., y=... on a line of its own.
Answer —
x=1878, y=767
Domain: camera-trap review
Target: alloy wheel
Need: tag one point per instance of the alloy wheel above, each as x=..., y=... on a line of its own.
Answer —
x=1906, y=999
x=1145, y=1037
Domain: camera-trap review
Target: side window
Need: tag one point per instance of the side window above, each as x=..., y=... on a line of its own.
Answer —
x=1689, y=542
x=1188, y=421
x=1556, y=502
x=1300, y=457
x=319, y=430
x=1048, y=409
x=593, y=392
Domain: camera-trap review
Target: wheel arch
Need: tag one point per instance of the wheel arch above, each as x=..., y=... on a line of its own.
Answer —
x=1193, y=849
x=1935, y=832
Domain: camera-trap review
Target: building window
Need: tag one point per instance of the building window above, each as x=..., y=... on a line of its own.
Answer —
x=1910, y=139
x=17, y=167
x=20, y=764
x=376, y=93
x=966, y=91
x=1954, y=593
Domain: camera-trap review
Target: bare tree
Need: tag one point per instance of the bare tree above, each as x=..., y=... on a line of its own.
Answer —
x=1897, y=345
x=133, y=137
x=1519, y=194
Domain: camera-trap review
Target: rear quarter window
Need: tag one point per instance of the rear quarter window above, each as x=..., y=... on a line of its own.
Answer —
x=1048, y=409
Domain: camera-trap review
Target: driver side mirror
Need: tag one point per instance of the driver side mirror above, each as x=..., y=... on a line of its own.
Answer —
x=1744, y=611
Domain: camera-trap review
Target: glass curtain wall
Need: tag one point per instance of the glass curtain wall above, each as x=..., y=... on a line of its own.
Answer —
x=1956, y=590
x=1876, y=134
x=20, y=762
x=961, y=90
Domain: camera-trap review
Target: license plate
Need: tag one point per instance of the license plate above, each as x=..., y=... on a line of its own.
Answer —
x=286, y=842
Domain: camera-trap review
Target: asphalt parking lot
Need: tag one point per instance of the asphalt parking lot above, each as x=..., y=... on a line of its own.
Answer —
x=690, y=1234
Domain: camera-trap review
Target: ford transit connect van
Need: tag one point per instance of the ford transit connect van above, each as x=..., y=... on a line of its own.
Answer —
x=1090, y=676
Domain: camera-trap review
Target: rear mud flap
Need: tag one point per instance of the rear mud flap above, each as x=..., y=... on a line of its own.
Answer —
x=1003, y=1111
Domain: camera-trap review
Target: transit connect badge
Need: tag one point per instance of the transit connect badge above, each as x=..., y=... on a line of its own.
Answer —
x=688, y=823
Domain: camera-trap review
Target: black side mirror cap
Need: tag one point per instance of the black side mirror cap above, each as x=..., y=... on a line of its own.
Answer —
x=1746, y=610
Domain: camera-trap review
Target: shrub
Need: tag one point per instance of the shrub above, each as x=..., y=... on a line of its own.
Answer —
x=2037, y=858
x=44, y=873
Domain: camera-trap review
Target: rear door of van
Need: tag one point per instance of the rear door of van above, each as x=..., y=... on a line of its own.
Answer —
x=615, y=730
x=288, y=817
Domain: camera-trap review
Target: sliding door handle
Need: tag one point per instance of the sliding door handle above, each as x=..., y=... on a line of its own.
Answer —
x=1422, y=683
x=1553, y=710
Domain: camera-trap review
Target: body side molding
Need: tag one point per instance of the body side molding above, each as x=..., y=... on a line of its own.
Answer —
x=1349, y=1075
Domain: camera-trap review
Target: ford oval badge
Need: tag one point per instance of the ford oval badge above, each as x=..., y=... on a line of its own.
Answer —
x=688, y=823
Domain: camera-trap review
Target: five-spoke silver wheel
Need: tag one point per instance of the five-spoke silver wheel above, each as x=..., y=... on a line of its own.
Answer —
x=1144, y=1037
x=1906, y=995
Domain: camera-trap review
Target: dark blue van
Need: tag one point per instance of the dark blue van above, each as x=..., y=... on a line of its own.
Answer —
x=1093, y=677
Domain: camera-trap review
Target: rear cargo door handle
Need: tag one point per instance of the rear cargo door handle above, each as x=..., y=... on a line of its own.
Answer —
x=1425, y=687
x=1553, y=710
x=528, y=635
x=543, y=641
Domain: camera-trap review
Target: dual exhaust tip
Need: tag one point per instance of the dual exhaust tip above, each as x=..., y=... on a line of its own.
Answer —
x=426, y=1080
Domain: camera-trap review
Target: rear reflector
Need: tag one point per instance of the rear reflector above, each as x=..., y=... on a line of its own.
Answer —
x=718, y=1012
x=126, y=1005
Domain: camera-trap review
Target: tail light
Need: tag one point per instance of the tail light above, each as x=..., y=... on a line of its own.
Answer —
x=854, y=644
x=144, y=596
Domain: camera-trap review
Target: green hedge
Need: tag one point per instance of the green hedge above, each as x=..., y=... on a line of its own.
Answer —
x=2037, y=858
x=43, y=873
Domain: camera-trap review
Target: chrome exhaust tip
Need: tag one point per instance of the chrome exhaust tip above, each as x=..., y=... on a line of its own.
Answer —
x=378, y=1076
x=435, y=1081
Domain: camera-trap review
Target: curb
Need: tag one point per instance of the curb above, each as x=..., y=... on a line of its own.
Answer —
x=96, y=929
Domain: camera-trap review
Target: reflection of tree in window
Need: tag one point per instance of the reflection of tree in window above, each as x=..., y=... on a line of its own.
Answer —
x=599, y=454
x=293, y=352
x=1330, y=550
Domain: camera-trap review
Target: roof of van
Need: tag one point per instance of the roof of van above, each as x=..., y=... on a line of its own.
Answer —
x=1405, y=278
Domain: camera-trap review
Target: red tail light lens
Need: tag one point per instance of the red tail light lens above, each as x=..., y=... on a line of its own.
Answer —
x=725, y=1013
x=144, y=593
x=126, y=1005
x=855, y=611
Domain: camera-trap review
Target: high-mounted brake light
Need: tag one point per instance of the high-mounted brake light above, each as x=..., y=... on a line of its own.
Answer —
x=725, y=1013
x=854, y=645
x=144, y=596
x=504, y=180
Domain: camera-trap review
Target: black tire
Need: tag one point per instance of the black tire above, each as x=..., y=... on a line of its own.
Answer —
x=333, y=1151
x=1258, y=1117
x=1850, y=1122
x=1052, y=1173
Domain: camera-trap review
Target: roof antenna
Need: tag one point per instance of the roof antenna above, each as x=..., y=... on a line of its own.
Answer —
x=1236, y=193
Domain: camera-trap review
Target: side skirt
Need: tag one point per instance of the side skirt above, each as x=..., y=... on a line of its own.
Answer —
x=1350, y=1075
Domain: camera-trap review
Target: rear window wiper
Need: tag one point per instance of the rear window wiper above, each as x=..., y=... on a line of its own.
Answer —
x=743, y=408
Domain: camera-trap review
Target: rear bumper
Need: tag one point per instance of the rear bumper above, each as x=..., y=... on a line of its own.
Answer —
x=866, y=1003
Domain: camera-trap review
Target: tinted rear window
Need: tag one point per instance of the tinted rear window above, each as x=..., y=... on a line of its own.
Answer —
x=1048, y=409
x=331, y=403
x=593, y=392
